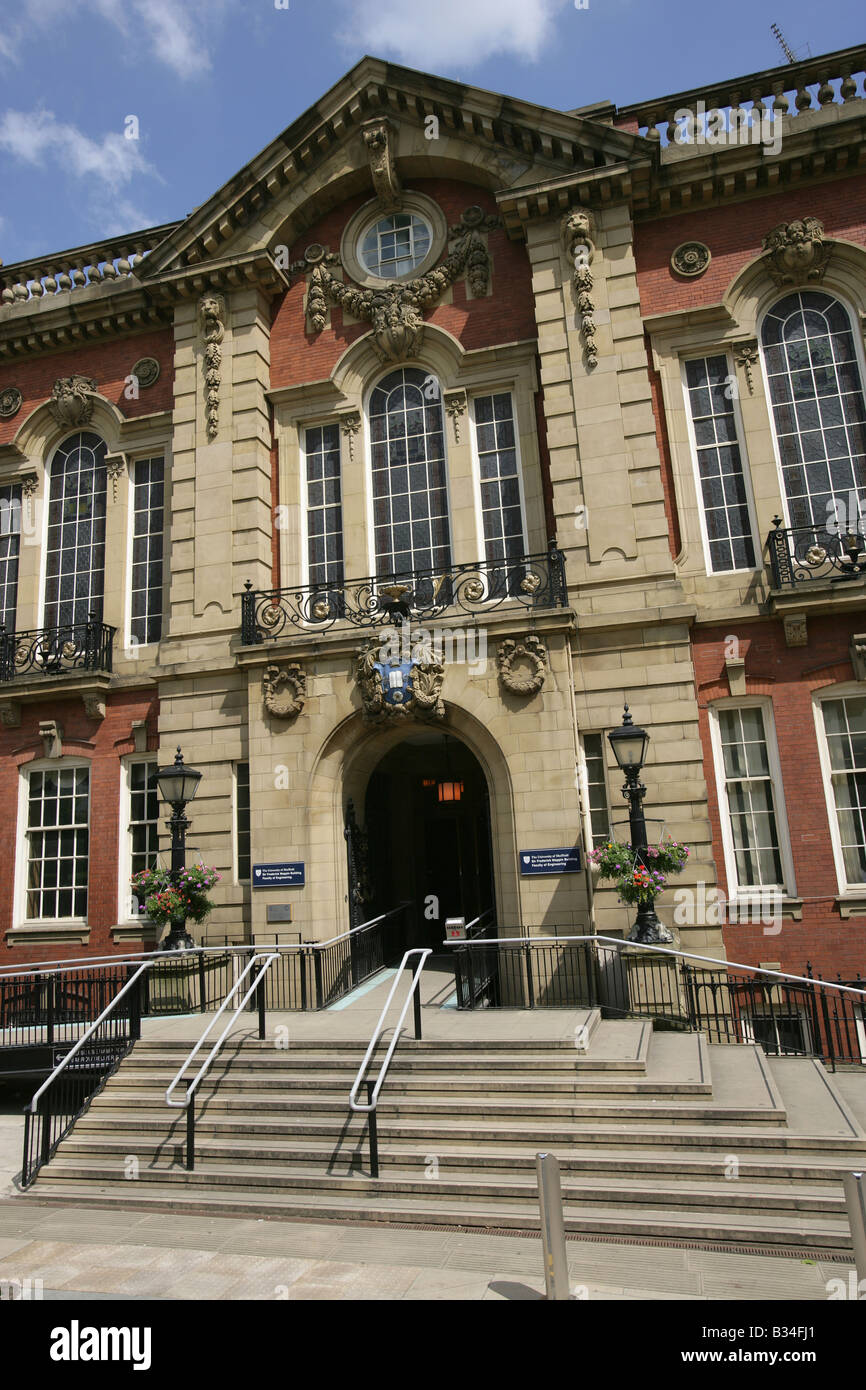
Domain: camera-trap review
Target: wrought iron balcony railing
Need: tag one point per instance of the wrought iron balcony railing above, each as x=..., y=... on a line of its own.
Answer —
x=535, y=581
x=805, y=554
x=55, y=651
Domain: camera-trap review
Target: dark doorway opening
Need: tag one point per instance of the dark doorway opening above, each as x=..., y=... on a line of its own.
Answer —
x=427, y=820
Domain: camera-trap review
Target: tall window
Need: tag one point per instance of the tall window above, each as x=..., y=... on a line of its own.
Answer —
x=721, y=478
x=10, y=544
x=143, y=820
x=58, y=842
x=596, y=788
x=242, y=822
x=324, y=506
x=845, y=736
x=500, y=486
x=75, y=560
x=148, y=523
x=751, y=798
x=410, y=497
x=819, y=412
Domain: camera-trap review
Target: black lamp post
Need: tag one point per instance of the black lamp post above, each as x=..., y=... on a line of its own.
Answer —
x=178, y=784
x=629, y=744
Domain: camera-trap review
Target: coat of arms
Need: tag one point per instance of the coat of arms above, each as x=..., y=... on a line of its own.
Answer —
x=400, y=677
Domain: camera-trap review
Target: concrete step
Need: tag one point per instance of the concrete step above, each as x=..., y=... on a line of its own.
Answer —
x=798, y=1231
x=323, y=1082
x=318, y=1156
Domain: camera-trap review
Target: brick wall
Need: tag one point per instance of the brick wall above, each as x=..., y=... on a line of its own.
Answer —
x=108, y=363
x=102, y=743
x=734, y=234
x=788, y=676
x=504, y=316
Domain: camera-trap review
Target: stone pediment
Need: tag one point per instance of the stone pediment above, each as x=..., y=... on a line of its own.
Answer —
x=380, y=127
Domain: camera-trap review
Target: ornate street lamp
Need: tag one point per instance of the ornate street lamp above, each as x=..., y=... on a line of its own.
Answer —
x=629, y=744
x=178, y=785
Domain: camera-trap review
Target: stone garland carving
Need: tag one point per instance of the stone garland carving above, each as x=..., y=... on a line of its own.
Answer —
x=212, y=313
x=71, y=401
x=797, y=252
x=525, y=651
x=146, y=372
x=578, y=232
x=691, y=258
x=455, y=405
x=284, y=690
x=796, y=630
x=386, y=180
x=747, y=357
x=350, y=425
x=30, y=485
x=418, y=693
x=395, y=311
x=10, y=402
x=857, y=652
x=475, y=219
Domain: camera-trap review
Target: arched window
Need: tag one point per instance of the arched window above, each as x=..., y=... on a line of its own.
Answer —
x=75, y=558
x=410, y=495
x=819, y=412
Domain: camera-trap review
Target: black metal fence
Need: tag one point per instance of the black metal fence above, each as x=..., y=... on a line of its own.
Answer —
x=71, y=1090
x=52, y=651
x=536, y=581
x=786, y=1016
x=805, y=554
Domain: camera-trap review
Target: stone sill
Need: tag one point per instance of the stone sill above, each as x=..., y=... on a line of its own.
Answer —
x=851, y=904
x=71, y=932
x=145, y=932
x=753, y=910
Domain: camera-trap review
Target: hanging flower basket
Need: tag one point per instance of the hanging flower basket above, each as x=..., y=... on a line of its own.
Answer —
x=164, y=900
x=638, y=882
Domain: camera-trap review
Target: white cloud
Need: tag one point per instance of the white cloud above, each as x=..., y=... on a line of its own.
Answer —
x=456, y=33
x=37, y=137
x=177, y=32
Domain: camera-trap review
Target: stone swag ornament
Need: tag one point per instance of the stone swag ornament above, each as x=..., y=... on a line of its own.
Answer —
x=797, y=253
x=71, y=402
x=284, y=690
x=212, y=313
x=522, y=664
x=578, y=239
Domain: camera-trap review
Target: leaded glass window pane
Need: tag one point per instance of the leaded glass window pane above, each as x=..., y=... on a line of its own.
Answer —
x=147, y=549
x=75, y=558
x=324, y=506
x=409, y=490
x=720, y=466
x=501, y=515
x=819, y=411
x=599, y=810
x=10, y=545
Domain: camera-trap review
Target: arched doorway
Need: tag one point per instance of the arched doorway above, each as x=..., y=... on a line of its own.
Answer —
x=427, y=819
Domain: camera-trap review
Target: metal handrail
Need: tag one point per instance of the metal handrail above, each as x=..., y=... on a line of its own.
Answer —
x=373, y=1089
x=662, y=950
x=320, y=945
x=188, y=1102
x=70, y=963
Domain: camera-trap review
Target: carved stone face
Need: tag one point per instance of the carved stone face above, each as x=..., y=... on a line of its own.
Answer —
x=210, y=308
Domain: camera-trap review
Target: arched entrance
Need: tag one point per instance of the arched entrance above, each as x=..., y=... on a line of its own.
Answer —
x=427, y=819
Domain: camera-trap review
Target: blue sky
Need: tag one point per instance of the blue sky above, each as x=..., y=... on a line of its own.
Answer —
x=213, y=81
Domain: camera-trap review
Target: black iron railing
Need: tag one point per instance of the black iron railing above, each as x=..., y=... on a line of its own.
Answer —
x=787, y=1015
x=536, y=581
x=53, y=651
x=68, y=1092
x=54, y=1007
x=806, y=554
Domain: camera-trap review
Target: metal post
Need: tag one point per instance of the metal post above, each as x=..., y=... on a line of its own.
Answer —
x=374, y=1135
x=190, y=1134
x=416, y=1004
x=202, y=985
x=855, y=1200
x=52, y=1000
x=552, y=1227
x=260, y=1000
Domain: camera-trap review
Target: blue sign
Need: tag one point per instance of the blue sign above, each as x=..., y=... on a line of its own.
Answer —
x=550, y=861
x=278, y=876
x=396, y=677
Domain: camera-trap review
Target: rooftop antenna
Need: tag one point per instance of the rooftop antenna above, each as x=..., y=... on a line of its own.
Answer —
x=781, y=41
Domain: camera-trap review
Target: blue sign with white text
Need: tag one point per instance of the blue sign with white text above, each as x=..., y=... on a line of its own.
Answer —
x=550, y=861
x=278, y=876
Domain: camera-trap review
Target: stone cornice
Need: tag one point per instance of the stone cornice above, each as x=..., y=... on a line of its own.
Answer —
x=76, y=317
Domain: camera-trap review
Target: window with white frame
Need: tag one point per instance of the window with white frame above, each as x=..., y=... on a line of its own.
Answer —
x=148, y=524
x=324, y=506
x=395, y=245
x=75, y=550
x=818, y=407
x=10, y=545
x=410, y=492
x=143, y=823
x=57, y=842
x=719, y=463
x=242, y=822
x=597, y=804
x=843, y=724
x=496, y=447
x=751, y=799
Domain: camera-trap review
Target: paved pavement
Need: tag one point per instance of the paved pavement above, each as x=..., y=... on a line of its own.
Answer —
x=118, y=1255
